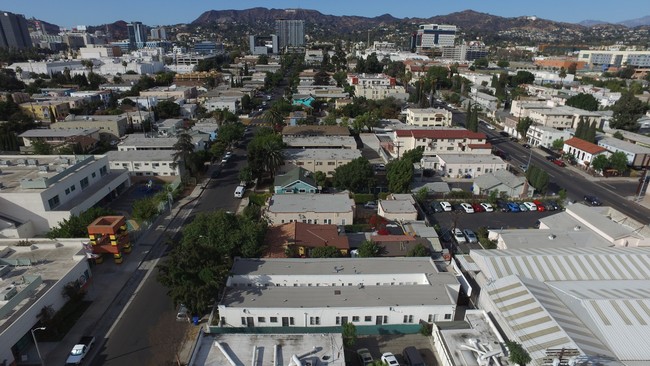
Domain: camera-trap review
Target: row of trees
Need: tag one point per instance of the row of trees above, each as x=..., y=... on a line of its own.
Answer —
x=538, y=178
x=586, y=131
x=616, y=161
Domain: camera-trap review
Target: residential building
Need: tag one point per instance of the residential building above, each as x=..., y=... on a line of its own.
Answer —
x=231, y=103
x=170, y=92
x=618, y=58
x=562, y=117
x=543, y=136
x=376, y=86
x=468, y=165
x=41, y=191
x=635, y=138
x=170, y=127
x=159, y=33
x=84, y=140
x=583, y=151
x=311, y=208
x=111, y=127
x=290, y=33
x=465, y=52
x=503, y=182
x=13, y=31
x=318, y=160
x=143, y=165
x=428, y=117
x=315, y=130
x=298, y=239
x=46, y=111
x=313, y=57
x=326, y=292
x=320, y=142
x=429, y=36
x=637, y=156
x=438, y=141
x=137, y=34
x=398, y=207
x=488, y=103
x=141, y=142
x=298, y=180
x=35, y=277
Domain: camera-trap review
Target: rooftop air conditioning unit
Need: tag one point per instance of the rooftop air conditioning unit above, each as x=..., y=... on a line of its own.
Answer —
x=43, y=169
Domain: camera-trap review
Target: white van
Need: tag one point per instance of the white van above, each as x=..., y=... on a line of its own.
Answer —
x=239, y=191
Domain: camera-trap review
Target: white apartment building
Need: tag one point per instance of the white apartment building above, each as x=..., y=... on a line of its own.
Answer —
x=318, y=160
x=538, y=135
x=311, y=208
x=583, y=151
x=34, y=277
x=39, y=192
x=320, y=142
x=145, y=164
x=224, y=103
x=468, y=165
x=439, y=141
x=428, y=117
x=327, y=292
x=561, y=117
x=638, y=156
x=141, y=142
x=615, y=58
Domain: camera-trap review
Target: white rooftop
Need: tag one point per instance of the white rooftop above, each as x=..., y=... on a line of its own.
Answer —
x=60, y=132
x=321, y=154
x=607, y=142
x=397, y=206
x=316, y=141
x=311, y=202
x=471, y=159
x=141, y=155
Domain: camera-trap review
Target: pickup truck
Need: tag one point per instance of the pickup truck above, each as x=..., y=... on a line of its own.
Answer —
x=80, y=350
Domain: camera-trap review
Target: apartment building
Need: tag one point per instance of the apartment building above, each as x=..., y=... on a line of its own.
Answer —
x=170, y=92
x=111, y=127
x=638, y=156
x=143, y=165
x=311, y=208
x=318, y=160
x=538, y=135
x=428, y=117
x=605, y=58
x=439, y=141
x=46, y=111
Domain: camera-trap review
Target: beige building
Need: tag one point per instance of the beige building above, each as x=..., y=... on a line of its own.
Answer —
x=400, y=207
x=167, y=92
x=428, y=117
x=42, y=111
x=110, y=127
x=318, y=160
x=439, y=141
x=311, y=208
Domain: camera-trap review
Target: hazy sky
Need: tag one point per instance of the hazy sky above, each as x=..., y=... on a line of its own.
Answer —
x=67, y=13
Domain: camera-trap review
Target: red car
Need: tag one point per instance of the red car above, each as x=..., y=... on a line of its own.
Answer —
x=540, y=205
x=477, y=207
x=559, y=162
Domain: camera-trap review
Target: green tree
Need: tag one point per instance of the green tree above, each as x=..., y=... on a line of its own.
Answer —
x=144, y=209
x=523, y=125
x=599, y=163
x=618, y=135
x=627, y=112
x=322, y=78
x=229, y=133
x=41, y=147
x=522, y=77
x=503, y=64
x=481, y=63
x=184, y=148
x=558, y=144
x=77, y=225
x=245, y=174
x=518, y=354
x=325, y=252
x=581, y=128
x=349, y=334
x=167, y=109
x=583, y=101
x=590, y=135
x=618, y=161
x=421, y=195
x=562, y=74
x=399, y=174
x=369, y=249
x=419, y=250
x=265, y=153
x=355, y=176
x=320, y=178
x=414, y=155
x=572, y=68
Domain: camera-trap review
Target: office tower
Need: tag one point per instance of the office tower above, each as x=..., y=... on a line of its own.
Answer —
x=13, y=31
x=137, y=34
x=433, y=36
x=159, y=33
x=291, y=33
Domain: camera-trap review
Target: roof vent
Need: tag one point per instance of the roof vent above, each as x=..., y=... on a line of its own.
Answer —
x=577, y=228
x=551, y=237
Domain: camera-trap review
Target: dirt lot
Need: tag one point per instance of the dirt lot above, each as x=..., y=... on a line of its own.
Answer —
x=378, y=344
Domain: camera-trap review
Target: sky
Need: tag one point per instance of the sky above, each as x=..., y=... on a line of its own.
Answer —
x=69, y=13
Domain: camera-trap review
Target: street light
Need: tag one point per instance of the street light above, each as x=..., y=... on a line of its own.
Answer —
x=36, y=344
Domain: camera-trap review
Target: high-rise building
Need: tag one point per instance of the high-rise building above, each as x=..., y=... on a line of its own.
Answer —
x=137, y=34
x=290, y=32
x=159, y=33
x=260, y=45
x=13, y=31
x=433, y=36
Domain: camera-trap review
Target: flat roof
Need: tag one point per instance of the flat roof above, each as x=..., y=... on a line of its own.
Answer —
x=58, y=132
x=536, y=238
x=471, y=159
x=428, y=110
x=17, y=168
x=98, y=118
x=623, y=145
x=317, y=346
x=397, y=206
x=306, y=141
x=310, y=202
x=141, y=155
x=321, y=154
x=598, y=217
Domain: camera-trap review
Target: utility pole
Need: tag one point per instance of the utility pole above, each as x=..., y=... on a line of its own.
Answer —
x=398, y=145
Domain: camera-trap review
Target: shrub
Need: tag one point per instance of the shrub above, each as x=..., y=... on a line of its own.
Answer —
x=363, y=197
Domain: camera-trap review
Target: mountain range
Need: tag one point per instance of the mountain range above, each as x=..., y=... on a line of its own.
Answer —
x=632, y=23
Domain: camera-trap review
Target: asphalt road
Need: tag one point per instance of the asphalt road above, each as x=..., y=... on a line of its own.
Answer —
x=614, y=195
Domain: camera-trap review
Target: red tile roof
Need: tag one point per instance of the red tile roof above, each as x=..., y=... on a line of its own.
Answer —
x=585, y=146
x=297, y=233
x=441, y=134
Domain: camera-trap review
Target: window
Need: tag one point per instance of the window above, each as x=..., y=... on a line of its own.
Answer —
x=103, y=171
x=54, y=201
x=67, y=191
x=291, y=321
x=261, y=319
x=314, y=320
x=410, y=318
x=355, y=318
x=319, y=163
x=72, y=188
x=367, y=318
x=406, y=318
x=385, y=319
x=84, y=183
x=430, y=319
x=447, y=316
x=331, y=163
x=274, y=319
x=94, y=174
x=338, y=320
x=243, y=320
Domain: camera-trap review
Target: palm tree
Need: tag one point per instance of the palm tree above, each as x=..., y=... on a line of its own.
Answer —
x=274, y=116
x=273, y=157
x=184, y=149
x=124, y=64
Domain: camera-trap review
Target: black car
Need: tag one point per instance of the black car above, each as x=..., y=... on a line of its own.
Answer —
x=527, y=146
x=593, y=200
x=548, y=206
x=502, y=205
x=553, y=204
x=435, y=205
x=550, y=157
x=504, y=134
x=514, y=139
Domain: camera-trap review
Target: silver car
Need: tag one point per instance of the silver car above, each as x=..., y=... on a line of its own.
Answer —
x=471, y=237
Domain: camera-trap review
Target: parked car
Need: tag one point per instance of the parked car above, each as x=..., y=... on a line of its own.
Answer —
x=380, y=167
x=522, y=207
x=436, y=206
x=593, y=200
x=389, y=359
x=446, y=206
x=477, y=207
x=502, y=205
x=372, y=205
x=487, y=207
x=513, y=207
x=504, y=134
x=550, y=157
x=540, y=205
x=530, y=206
x=364, y=356
x=554, y=204
x=514, y=139
x=527, y=146
x=523, y=167
x=548, y=206
x=467, y=207
x=458, y=236
x=471, y=237
x=559, y=162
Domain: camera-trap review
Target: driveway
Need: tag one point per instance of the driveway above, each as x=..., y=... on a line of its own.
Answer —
x=379, y=344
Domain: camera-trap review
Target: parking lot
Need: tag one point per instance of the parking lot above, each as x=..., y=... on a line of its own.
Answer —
x=395, y=343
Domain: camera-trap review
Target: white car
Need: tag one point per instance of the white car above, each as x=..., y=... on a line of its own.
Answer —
x=372, y=205
x=446, y=206
x=488, y=207
x=489, y=126
x=530, y=206
x=458, y=236
x=467, y=207
x=389, y=359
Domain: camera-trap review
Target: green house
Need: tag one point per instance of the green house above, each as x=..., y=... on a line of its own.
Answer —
x=298, y=180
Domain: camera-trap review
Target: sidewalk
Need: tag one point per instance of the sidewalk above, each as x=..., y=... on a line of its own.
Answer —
x=110, y=287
